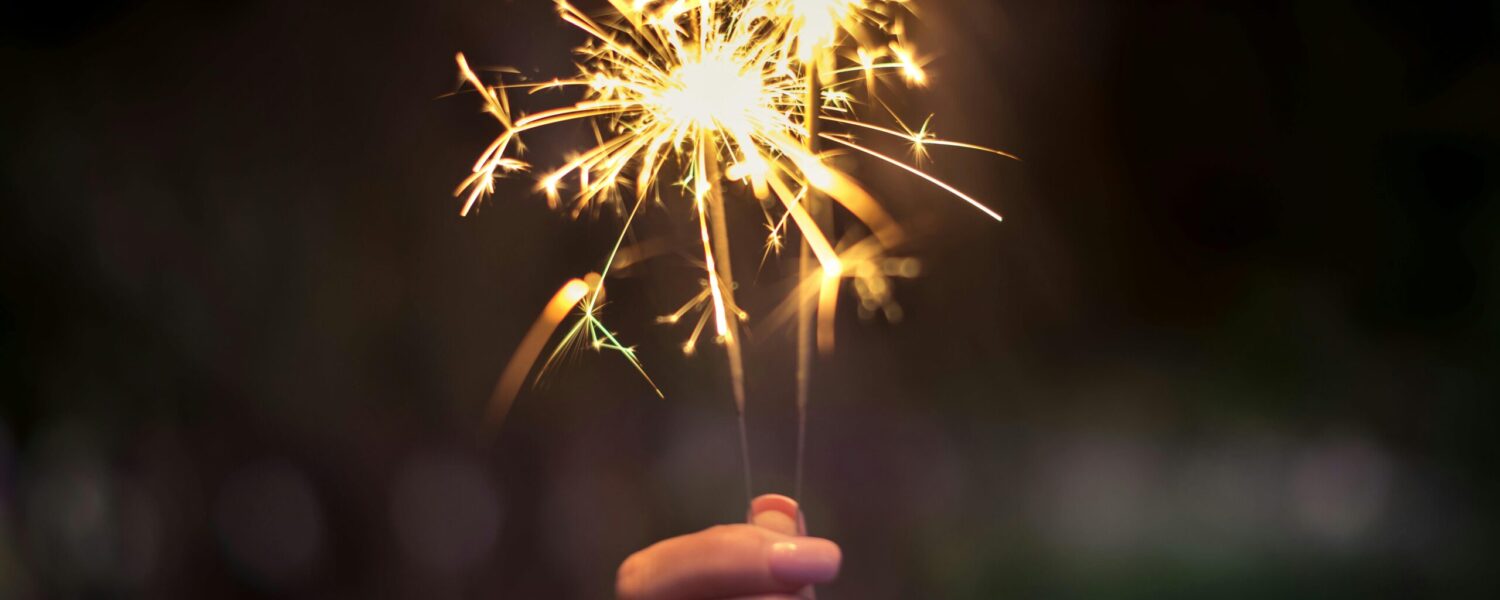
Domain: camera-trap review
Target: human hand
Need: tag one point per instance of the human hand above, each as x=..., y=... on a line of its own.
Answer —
x=767, y=559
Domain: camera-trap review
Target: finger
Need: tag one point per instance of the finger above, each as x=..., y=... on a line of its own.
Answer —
x=727, y=561
x=780, y=514
x=766, y=597
x=777, y=513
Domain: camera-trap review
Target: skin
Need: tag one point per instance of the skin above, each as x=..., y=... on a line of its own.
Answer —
x=767, y=558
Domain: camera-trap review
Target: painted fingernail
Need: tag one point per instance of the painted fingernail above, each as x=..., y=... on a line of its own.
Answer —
x=805, y=560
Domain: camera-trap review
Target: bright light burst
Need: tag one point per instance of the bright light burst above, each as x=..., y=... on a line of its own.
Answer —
x=813, y=23
x=709, y=94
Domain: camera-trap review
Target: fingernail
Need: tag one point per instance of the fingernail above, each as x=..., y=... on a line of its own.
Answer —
x=805, y=560
x=776, y=502
x=777, y=513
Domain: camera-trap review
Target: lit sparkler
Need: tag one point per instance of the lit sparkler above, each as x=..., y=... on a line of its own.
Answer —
x=708, y=94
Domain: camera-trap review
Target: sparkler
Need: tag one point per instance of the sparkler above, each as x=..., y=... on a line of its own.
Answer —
x=709, y=94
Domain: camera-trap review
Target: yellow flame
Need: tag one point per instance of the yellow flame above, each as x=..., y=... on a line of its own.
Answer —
x=712, y=92
x=688, y=86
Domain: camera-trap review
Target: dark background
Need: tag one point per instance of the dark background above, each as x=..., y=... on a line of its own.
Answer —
x=1236, y=338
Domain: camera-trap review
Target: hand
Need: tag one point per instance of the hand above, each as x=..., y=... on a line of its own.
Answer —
x=767, y=559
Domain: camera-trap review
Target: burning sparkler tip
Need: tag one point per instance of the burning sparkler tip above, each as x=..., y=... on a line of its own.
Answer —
x=730, y=91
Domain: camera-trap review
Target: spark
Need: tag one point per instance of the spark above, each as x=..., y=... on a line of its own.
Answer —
x=718, y=99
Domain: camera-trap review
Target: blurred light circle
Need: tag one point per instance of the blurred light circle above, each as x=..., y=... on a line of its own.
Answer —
x=87, y=524
x=445, y=511
x=68, y=513
x=270, y=523
x=1096, y=493
x=1340, y=488
x=1229, y=491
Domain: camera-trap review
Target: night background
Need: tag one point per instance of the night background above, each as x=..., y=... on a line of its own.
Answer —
x=1237, y=337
